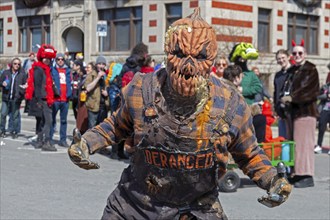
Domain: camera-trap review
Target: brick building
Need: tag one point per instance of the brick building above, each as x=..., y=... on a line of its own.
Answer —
x=71, y=25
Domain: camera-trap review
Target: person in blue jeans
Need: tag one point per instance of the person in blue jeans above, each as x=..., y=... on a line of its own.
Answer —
x=92, y=87
x=10, y=128
x=62, y=80
x=283, y=59
x=13, y=85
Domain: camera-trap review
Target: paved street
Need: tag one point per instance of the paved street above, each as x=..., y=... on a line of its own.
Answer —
x=41, y=185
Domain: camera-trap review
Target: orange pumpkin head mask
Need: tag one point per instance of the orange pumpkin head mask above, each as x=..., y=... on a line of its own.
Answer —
x=191, y=47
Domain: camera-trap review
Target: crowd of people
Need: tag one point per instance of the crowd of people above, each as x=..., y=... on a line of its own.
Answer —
x=50, y=82
x=185, y=110
x=181, y=123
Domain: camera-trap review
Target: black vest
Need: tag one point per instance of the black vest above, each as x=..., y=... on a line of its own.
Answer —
x=177, y=162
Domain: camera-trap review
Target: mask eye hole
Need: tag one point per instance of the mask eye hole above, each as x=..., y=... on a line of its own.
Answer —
x=178, y=52
x=202, y=54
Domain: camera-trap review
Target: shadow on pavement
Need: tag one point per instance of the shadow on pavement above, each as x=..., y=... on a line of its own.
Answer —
x=247, y=183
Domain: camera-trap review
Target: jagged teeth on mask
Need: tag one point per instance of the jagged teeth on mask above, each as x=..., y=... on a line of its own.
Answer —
x=251, y=50
x=186, y=91
x=179, y=83
x=195, y=81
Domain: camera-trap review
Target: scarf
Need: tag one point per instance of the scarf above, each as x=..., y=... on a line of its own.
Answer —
x=49, y=83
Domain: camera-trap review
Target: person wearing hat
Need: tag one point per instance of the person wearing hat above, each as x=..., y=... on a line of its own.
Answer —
x=40, y=93
x=101, y=64
x=62, y=80
x=80, y=57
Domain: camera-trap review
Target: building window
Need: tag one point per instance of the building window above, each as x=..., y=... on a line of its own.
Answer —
x=33, y=31
x=173, y=13
x=303, y=27
x=124, y=28
x=264, y=30
x=1, y=36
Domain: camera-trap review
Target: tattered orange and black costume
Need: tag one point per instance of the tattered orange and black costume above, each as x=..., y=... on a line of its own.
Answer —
x=183, y=124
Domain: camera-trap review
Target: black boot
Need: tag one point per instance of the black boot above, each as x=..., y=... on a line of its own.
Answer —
x=3, y=134
x=48, y=147
x=120, y=151
x=122, y=155
x=114, y=151
x=14, y=135
x=38, y=145
x=305, y=181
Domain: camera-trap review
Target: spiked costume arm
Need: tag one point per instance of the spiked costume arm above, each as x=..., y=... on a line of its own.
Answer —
x=250, y=158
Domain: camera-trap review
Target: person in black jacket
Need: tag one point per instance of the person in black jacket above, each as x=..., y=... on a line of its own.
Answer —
x=259, y=122
x=40, y=92
x=283, y=59
x=324, y=109
x=13, y=88
x=133, y=64
x=135, y=61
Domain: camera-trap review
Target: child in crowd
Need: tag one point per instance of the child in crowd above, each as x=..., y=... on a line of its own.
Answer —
x=234, y=75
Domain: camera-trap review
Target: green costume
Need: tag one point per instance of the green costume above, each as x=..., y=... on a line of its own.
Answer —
x=250, y=83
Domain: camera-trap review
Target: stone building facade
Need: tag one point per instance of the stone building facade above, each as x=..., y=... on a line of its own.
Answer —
x=72, y=25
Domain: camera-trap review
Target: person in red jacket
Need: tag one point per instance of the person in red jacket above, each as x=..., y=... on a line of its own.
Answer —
x=40, y=93
x=148, y=65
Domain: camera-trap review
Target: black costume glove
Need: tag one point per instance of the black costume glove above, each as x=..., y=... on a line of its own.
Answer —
x=79, y=152
x=279, y=191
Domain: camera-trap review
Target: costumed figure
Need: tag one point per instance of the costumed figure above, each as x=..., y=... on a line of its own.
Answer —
x=301, y=97
x=250, y=83
x=40, y=93
x=183, y=124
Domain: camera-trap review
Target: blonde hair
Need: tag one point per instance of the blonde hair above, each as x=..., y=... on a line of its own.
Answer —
x=254, y=68
x=255, y=109
x=221, y=57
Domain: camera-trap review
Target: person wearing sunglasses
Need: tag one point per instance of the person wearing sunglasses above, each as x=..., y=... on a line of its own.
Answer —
x=220, y=65
x=62, y=79
x=13, y=88
x=302, y=98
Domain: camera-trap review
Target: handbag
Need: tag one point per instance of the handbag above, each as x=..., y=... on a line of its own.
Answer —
x=35, y=107
x=55, y=90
